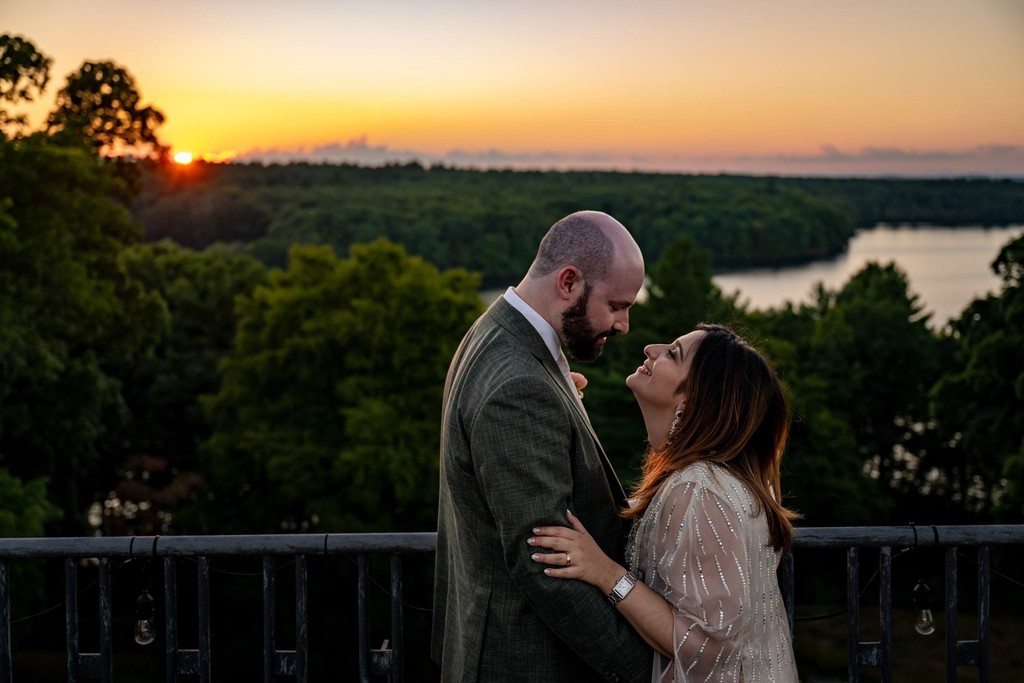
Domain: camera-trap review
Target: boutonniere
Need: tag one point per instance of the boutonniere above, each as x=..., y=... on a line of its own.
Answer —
x=580, y=381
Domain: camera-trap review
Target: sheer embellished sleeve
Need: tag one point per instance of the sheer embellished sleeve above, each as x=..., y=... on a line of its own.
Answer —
x=702, y=571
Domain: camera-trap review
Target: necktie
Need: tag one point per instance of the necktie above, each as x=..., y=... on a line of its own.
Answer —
x=563, y=365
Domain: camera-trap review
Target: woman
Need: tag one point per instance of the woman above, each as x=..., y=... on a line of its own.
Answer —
x=709, y=529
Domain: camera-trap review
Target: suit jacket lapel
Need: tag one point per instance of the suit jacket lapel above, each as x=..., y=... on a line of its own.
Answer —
x=509, y=318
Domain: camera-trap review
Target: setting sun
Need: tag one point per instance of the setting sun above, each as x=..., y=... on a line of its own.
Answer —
x=183, y=158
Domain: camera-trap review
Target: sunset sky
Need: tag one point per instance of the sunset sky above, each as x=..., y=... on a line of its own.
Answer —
x=917, y=87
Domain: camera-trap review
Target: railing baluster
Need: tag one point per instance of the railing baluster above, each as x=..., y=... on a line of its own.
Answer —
x=789, y=589
x=71, y=616
x=203, y=573
x=5, y=622
x=269, y=644
x=396, y=618
x=951, y=605
x=301, y=620
x=106, y=659
x=171, y=619
x=853, y=613
x=363, y=563
x=885, y=611
x=984, y=595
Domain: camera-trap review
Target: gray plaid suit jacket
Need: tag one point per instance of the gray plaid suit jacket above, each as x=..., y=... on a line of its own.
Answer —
x=517, y=450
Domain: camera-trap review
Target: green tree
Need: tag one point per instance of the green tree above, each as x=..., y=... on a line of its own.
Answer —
x=681, y=292
x=25, y=511
x=328, y=410
x=157, y=449
x=822, y=471
x=24, y=73
x=69, y=314
x=979, y=403
x=100, y=106
x=878, y=360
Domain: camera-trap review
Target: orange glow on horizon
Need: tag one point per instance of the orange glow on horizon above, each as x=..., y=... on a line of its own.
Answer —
x=805, y=87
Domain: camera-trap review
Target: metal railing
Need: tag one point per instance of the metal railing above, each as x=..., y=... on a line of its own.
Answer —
x=387, y=661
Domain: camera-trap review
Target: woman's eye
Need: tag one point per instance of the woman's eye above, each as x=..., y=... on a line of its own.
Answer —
x=671, y=353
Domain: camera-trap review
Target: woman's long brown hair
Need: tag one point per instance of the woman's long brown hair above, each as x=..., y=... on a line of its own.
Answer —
x=736, y=414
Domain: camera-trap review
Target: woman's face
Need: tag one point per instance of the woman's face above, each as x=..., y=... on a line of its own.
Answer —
x=656, y=381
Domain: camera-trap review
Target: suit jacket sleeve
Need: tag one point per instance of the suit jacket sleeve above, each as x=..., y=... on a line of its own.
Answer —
x=523, y=444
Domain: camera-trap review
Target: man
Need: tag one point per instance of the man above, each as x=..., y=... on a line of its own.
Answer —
x=517, y=451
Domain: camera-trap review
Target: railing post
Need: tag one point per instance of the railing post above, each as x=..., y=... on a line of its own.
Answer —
x=71, y=616
x=203, y=572
x=170, y=619
x=951, y=606
x=984, y=626
x=5, y=622
x=853, y=612
x=885, y=611
x=269, y=641
x=363, y=614
x=106, y=658
x=301, y=620
x=396, y=618
x=789, y=590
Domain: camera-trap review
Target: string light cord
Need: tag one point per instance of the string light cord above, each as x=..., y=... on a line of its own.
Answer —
x=387, y=592
x=961, y=553
x=78, y=594
x=830, y=615
x=247, y=575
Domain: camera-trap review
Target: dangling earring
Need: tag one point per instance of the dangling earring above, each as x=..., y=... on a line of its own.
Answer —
x=675, y=422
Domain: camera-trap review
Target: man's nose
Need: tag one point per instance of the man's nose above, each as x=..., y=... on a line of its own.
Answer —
x=621, y=324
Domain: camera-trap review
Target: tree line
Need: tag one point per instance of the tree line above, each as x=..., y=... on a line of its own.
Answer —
x=491, y=221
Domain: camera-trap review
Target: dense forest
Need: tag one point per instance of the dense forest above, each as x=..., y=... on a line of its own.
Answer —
x=490, y=222
x=247, y=349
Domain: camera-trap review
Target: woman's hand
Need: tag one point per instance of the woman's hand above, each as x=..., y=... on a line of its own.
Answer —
x=576, y=556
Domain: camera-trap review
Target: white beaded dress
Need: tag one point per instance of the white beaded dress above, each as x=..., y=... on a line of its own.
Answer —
x=705, y=546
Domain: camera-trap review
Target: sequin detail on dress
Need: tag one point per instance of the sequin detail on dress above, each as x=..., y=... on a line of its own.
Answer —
x=705, y=546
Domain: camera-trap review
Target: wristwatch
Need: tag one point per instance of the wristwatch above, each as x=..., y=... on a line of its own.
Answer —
x=622, y=588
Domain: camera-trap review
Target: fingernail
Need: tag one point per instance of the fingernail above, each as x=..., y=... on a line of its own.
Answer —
x=534, y=556
x=536, y=529
x=531, y=540
x=548, y=572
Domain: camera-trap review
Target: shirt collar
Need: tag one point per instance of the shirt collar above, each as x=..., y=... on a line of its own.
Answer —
x=543, y=327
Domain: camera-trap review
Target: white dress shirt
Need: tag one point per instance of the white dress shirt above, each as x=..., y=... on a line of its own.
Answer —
x=546, y=331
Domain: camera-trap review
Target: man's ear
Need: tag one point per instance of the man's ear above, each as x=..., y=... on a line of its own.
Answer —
x=569, y=282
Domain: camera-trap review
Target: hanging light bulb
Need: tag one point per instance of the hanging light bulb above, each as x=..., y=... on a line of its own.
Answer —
x=925, y=622
x=145, y=633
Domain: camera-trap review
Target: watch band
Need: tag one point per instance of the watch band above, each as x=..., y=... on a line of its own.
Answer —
x=622, y=588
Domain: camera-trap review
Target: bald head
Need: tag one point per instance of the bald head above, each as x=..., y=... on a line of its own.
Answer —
x=584, y=280
x=590, y=240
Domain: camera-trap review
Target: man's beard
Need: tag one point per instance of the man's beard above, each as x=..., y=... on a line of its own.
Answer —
x=578, y=334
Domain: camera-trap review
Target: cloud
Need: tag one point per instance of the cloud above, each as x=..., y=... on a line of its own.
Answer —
x=985, y=160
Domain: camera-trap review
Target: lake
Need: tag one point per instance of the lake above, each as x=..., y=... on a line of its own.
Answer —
x=946, y=268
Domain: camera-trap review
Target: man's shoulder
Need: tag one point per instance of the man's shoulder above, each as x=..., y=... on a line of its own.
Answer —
x=492, y=340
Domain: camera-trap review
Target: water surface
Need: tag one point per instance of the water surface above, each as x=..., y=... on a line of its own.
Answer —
x=946, y=268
